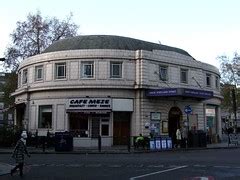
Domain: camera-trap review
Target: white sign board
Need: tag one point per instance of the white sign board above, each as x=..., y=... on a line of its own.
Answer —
x=89, y=103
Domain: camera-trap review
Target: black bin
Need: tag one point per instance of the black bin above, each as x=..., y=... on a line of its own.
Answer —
x=197, y=139
x=202, y=138
x=63, y=141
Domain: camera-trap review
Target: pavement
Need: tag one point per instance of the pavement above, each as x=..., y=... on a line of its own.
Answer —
x=5, y=168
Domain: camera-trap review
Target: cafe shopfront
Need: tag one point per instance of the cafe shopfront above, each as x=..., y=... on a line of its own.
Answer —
x=90, y=118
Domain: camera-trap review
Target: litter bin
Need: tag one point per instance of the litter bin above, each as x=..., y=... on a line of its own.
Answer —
x=193, y=139
x=197, y=139
x=63, y=141
x=202, y=137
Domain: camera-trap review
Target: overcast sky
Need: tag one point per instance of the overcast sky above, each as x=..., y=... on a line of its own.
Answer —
x=204, y=28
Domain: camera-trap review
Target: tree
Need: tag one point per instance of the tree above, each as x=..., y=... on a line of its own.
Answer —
x=35, y=34
x=229, y=69
x=230, y=72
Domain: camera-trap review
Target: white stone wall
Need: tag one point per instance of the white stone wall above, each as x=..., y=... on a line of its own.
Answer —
x=140, y=72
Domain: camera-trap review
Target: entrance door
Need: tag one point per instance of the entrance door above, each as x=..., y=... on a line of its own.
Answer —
x=121, y=128
x=174, y=118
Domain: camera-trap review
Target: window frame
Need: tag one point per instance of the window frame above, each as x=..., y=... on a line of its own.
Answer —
x=183, y=70
x=162, y=67
x=217, y=82
x=208, y=80
x=19, y=79
x=83, y=65
x=57, y=66
x=40, y=67
x=120, y=73
x=25, y=76
x=40, y=117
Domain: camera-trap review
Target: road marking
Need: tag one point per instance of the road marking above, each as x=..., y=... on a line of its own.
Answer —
x=155, y=166
x=221, y=166
x=198, y=165
x=158, y=172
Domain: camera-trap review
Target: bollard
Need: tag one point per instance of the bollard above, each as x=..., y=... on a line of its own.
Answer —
x=99, y=143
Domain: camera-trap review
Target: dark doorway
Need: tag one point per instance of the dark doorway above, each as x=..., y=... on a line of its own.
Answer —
x=121, y=127
x=174, y=118
x=20, y=111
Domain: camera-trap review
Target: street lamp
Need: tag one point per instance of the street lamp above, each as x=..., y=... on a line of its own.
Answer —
x=2, y=59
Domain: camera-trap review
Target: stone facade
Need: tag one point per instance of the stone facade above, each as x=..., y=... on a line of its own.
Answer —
x=139, y=72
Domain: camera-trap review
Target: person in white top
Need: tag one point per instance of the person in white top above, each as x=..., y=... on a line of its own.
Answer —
x=178, y=138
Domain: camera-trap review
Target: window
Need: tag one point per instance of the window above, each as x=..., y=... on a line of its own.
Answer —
x=163, y=73
x=116, y=70
x=217, y=82
x=208, y=80
x=38, y=73
x=88, y=69
x=105, y=127
x=45, y=116
x=184, y=75
x=60, y=71
x=24, y=79
x=19, y=78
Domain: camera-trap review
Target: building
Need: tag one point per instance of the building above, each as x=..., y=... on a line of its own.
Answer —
x=6, y=112
x=116, y=87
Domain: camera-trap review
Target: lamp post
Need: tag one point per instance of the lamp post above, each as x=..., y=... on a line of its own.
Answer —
x=2, y=59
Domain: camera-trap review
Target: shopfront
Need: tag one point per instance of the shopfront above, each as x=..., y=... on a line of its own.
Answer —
x=90, y=118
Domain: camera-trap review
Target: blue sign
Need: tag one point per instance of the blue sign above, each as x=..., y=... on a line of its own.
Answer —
x=162, y=92
x=197, y=93
x=187, y=109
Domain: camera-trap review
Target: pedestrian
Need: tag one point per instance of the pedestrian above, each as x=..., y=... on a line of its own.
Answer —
x=178, y=138
x=184, y=133
x=140, y=141
x=18, y=154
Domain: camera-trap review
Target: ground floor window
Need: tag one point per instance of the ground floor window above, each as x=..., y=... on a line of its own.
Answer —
x=79, y=124
x=45, y=116
x=89, y=125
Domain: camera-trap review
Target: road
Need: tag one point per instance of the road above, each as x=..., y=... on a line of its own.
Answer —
x=175, y=165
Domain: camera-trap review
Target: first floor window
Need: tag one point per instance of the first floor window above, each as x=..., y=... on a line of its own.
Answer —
x=163, y=73
x=184, y=76
x=217, y=82
x=19, y=78
x=45, y=116
x=116, y=70
x=88, y=69
x=38, y=73
x=208, y=80
x=60, y=71
x=24, y=80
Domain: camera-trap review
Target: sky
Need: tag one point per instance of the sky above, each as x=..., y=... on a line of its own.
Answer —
x=205, y=29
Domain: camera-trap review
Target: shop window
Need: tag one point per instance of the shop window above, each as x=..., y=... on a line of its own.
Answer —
x=184, y=76
x=163, y=73
x=79, y=124
x=45, y=116
x=24, y=79
x=116, y=69
x=60, y=70
x=208, y=80
x=38, y=73
x=87, y=69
